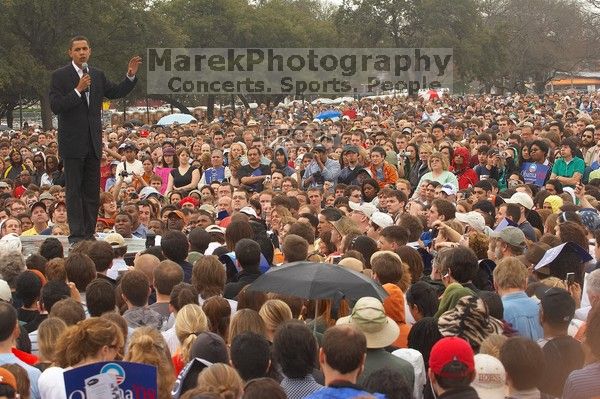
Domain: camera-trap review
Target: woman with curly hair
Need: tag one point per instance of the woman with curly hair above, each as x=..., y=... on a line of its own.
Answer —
x=89, y=341
x=148, y=346
x=479, y=243
x=220, y=380
x=369, y=189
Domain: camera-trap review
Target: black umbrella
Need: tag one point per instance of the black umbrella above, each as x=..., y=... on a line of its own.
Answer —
x=318, y=281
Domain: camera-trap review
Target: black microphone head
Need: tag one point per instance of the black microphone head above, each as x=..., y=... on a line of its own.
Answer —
x=84, y=67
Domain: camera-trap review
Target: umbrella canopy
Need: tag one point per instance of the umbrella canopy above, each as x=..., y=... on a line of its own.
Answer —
x=329, y=114
x=176, y=118
x=318, y=281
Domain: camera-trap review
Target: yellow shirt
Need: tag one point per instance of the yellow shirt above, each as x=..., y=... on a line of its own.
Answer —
x=31, y=232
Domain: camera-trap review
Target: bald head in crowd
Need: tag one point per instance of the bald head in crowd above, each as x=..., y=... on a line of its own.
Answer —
x=146, y=264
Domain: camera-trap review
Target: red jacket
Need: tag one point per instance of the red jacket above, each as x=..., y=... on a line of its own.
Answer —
x=467, y=177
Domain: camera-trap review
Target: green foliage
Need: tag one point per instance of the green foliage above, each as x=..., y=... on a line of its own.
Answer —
x=501, y=42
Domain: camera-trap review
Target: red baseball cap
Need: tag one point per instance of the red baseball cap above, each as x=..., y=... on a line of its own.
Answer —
x=188, y=200
x=448, y=350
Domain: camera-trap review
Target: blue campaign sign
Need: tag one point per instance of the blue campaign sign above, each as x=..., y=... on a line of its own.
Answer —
x=135, y=380
x=534, y=173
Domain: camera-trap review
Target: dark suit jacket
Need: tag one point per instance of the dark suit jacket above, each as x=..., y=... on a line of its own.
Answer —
x=80, y=125
x=243, y=279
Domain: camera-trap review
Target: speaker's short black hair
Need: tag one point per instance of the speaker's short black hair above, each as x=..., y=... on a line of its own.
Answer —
x=77, y=39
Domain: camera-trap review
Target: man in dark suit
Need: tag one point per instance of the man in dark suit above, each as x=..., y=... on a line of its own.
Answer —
x=76, y=97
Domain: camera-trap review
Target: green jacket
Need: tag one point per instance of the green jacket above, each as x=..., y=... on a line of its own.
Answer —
x=450, y=298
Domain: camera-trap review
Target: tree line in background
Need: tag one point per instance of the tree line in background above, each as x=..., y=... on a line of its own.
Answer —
x=497, y=43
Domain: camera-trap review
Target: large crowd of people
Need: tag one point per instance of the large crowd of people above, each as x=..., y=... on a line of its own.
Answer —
x=478, y=215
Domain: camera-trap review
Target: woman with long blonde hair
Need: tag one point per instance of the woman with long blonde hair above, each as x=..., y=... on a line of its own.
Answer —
x=274, y=312
x=148, y=346
x=48, y=333
x=245, y=320
x=189, y=322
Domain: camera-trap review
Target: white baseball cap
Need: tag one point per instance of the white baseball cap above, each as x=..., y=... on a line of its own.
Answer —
x=10, y=243
x=490, y=377
x=366, y=207
x=248, y=210
x=381, y=219
x=148, y=191
x=449, y=189
x=522, y=199
x=5, y=293
x=473, y=219
x=213, y=228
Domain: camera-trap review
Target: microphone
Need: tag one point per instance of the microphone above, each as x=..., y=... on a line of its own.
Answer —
x=86, y=71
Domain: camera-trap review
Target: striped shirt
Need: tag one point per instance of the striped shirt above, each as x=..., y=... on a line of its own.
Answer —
x=584, y=383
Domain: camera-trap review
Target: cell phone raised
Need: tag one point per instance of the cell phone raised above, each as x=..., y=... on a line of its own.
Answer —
x=570, y=279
